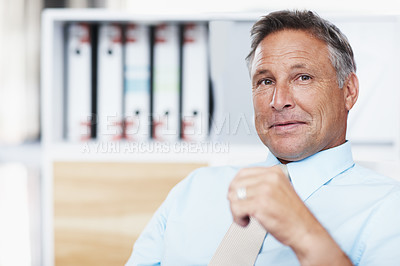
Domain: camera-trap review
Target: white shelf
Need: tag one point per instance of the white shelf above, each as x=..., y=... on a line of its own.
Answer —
x=212, y=153
x=26, y=153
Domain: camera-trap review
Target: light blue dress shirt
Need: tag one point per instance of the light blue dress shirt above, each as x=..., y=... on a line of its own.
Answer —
x=358, y=207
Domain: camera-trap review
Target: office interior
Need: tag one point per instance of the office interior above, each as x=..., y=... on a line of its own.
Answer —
x=62, y=206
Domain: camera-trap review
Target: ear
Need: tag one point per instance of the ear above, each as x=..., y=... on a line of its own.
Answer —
x=350, y=91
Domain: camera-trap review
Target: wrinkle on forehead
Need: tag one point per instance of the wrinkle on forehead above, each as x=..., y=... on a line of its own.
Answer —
x=294, y=48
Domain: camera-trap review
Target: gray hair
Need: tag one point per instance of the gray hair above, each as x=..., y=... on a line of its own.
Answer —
x=340, y=52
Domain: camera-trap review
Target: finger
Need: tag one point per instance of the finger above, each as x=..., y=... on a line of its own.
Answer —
x=256, y=177
x=248, y=177
x=250, y=191
x=241, y=212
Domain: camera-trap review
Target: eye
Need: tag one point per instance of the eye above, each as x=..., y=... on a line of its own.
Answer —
x=304, y=77
x=266, y=82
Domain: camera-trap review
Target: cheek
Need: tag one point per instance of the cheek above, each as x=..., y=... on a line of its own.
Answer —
x=325, y=113
x=314, y=107
x=262, y=111
x=261, y=101
x=260, y=123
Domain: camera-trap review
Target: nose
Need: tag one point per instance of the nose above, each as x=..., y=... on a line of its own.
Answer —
x=282, y=98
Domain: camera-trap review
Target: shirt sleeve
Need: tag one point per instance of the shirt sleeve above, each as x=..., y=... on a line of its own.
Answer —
x=149, y=247
x=382, y=239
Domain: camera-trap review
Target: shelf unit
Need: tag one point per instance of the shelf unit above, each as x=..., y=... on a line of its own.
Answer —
x=236, y=143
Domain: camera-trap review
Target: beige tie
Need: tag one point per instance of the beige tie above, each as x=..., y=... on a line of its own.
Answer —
x=241, y=245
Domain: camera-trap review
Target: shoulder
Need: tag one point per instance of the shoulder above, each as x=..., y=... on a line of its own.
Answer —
x=365, y=186
x=372, y=200
x=384, y=190
x=359, y=175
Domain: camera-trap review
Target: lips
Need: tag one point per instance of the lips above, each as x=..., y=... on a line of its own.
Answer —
x=282, y=124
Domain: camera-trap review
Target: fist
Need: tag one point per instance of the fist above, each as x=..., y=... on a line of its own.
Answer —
x=271, y=200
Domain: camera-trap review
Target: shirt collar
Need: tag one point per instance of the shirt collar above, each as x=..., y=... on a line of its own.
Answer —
x=309, y=174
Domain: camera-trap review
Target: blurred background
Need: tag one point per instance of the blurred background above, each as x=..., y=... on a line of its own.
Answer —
x=21, y=151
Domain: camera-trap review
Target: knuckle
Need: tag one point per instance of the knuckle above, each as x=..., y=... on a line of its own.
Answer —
x=235, y=209
x=253, y=213
x=233, y=187
x=266, y=188
x=231, y=196
x=259, y=216
x=242, y=172
x=275, y=178
x=262, y=203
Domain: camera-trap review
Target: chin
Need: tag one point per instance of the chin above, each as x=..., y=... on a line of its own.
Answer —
x=289, y=157
x=288, y=151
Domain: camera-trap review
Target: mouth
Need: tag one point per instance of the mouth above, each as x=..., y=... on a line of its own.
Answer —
x=286, y=125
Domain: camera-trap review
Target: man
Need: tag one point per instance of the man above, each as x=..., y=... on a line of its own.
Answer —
x=331, y=211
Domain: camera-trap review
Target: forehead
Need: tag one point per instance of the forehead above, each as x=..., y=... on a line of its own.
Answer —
x=285, y=46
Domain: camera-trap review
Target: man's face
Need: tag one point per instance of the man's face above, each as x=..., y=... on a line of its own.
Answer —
x=299, y=108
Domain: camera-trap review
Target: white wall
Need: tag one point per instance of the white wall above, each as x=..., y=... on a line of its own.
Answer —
x=178, y=6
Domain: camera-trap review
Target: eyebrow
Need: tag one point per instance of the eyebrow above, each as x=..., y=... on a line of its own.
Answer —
x=267, y=71
x=261, y=72
x=300, y=65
